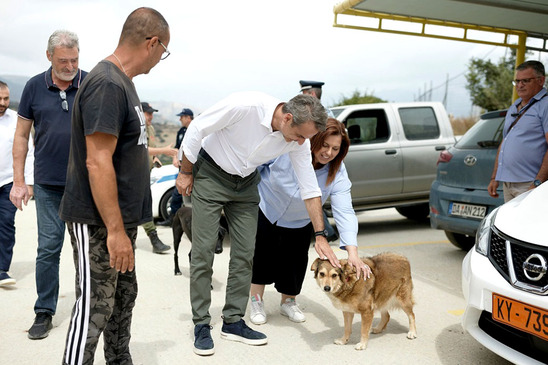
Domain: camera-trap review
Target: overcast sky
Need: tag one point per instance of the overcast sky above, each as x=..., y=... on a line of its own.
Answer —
x=221, y=46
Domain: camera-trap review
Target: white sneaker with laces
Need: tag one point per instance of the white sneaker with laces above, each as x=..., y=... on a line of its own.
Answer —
x=291, y=310
x=257, y=315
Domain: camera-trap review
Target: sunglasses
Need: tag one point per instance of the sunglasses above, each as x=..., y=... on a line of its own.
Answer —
x=64, y=102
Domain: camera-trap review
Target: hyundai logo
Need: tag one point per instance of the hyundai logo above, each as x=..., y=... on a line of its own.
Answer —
x=470, y=160
x=534, y=267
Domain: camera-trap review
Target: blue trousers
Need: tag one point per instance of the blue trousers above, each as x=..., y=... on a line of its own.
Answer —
x=7, y=227
x=51, y=233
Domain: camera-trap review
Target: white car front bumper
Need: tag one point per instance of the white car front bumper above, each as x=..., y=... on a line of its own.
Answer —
x=480, y=280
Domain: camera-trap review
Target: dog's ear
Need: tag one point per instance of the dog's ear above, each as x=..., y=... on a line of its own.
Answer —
x=315, y=267
x=349, y=272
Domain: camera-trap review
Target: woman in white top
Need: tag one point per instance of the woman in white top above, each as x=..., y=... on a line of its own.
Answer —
x=284, y=224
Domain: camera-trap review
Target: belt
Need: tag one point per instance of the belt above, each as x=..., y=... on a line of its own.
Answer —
x=208, y=158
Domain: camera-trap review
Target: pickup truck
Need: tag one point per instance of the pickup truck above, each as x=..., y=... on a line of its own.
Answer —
x=393, y=152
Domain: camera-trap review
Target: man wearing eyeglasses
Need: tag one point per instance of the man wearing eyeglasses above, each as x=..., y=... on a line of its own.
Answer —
x=107, y=195
x=522, y=158
x=46, y=104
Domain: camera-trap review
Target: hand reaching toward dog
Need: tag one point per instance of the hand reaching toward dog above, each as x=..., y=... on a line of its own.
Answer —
x=325, y=252
x=355, y=261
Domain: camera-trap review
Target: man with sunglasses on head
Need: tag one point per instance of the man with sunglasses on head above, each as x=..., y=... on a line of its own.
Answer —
x=522, y=158
x=46, y=104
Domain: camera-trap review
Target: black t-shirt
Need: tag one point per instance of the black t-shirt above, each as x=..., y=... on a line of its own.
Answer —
x=107, y=102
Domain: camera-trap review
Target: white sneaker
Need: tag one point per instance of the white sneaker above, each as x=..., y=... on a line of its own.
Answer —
x=291, y=309
x=257, y=315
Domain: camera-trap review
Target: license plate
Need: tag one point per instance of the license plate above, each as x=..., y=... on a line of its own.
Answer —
x=525, y=317
x=467, y=210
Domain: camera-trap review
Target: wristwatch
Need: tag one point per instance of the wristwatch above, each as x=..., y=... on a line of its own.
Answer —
x=321, y=233
x=537, y=183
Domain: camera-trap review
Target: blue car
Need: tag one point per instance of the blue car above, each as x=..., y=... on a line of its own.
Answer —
x=458, y=197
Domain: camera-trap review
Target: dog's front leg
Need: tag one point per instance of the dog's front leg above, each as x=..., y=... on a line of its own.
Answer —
x=348, y=317
x=367, y=320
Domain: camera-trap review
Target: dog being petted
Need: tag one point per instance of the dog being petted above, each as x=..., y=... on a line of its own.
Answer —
x=389, y=286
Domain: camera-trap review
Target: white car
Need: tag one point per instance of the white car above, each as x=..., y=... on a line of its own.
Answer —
x=162, y=184
x=505, y=280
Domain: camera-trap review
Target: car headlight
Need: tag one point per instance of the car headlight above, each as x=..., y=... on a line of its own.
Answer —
x=483, y=234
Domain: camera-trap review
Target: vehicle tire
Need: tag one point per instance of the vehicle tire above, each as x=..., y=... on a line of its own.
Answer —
x=462, y=241
x=165, y=205
x=417, y=212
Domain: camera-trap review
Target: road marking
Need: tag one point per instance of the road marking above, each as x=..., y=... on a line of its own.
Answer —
x=456, y=312
x=404, y=244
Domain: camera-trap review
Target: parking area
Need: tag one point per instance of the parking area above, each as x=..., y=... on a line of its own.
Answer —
x=162, y=326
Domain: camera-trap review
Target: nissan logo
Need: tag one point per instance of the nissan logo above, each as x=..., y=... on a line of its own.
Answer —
x=470, y=160
x=534, y=267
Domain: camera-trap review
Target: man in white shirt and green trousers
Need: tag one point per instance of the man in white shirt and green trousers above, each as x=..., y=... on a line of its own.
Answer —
x=221, y=151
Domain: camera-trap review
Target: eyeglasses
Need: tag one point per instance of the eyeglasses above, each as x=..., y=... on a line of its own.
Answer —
x=166, y=52
x=523, y=81
x=64, y=102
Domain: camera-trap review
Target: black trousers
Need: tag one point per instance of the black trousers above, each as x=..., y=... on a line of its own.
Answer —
x=281, y=256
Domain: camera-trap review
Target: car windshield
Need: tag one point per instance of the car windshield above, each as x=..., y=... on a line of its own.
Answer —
x=486, y=133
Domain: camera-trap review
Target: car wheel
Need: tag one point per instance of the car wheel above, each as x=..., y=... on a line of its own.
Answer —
x=462, y=241
x=165, y=205
x=417, y=212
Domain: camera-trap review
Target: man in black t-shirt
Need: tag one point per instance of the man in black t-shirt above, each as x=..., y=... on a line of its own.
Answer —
x=107, y=194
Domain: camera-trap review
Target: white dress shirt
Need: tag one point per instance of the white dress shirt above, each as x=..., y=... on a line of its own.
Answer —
x=237, y=133
x=8, y=123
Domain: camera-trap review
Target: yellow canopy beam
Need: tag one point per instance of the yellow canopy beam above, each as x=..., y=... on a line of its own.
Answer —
x=346, y=8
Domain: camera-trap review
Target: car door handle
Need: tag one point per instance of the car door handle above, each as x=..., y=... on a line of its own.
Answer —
x=440, y=148
x=390, y=152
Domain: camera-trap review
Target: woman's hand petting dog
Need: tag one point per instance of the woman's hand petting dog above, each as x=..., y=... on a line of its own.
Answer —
x=356, y=262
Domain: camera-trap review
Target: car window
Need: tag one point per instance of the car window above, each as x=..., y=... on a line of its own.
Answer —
x=486, y=133
x=336, y=112
x=367, y=126
x=419, y=123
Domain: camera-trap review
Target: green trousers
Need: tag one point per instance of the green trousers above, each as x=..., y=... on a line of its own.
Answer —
x=215, y=191
x=149, y=227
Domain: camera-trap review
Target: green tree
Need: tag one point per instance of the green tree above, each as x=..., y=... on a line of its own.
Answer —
x=490, y=84
x=358, y=98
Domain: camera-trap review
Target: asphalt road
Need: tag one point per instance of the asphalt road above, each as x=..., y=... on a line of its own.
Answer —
x=163, y=331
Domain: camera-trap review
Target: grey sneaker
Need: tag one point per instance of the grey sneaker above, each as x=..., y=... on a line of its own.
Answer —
x=240, y=332
x=41, y=326
x=203, y=343
x=291, y=310
x=257, y=314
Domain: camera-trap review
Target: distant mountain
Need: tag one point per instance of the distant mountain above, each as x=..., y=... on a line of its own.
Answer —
x=16, y=85
x=166, y=110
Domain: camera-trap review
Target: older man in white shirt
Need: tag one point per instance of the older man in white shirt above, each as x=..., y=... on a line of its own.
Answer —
x=8, y=122
x=221, y=151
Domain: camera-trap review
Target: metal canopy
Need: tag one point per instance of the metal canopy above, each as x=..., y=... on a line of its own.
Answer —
x=526, y=19
x=518, y=24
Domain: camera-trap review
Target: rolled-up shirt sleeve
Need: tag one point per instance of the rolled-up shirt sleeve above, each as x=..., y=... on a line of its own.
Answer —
x=301, y=159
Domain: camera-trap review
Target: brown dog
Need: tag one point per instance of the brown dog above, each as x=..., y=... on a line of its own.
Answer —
x=182, y=223
x=390, y=286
